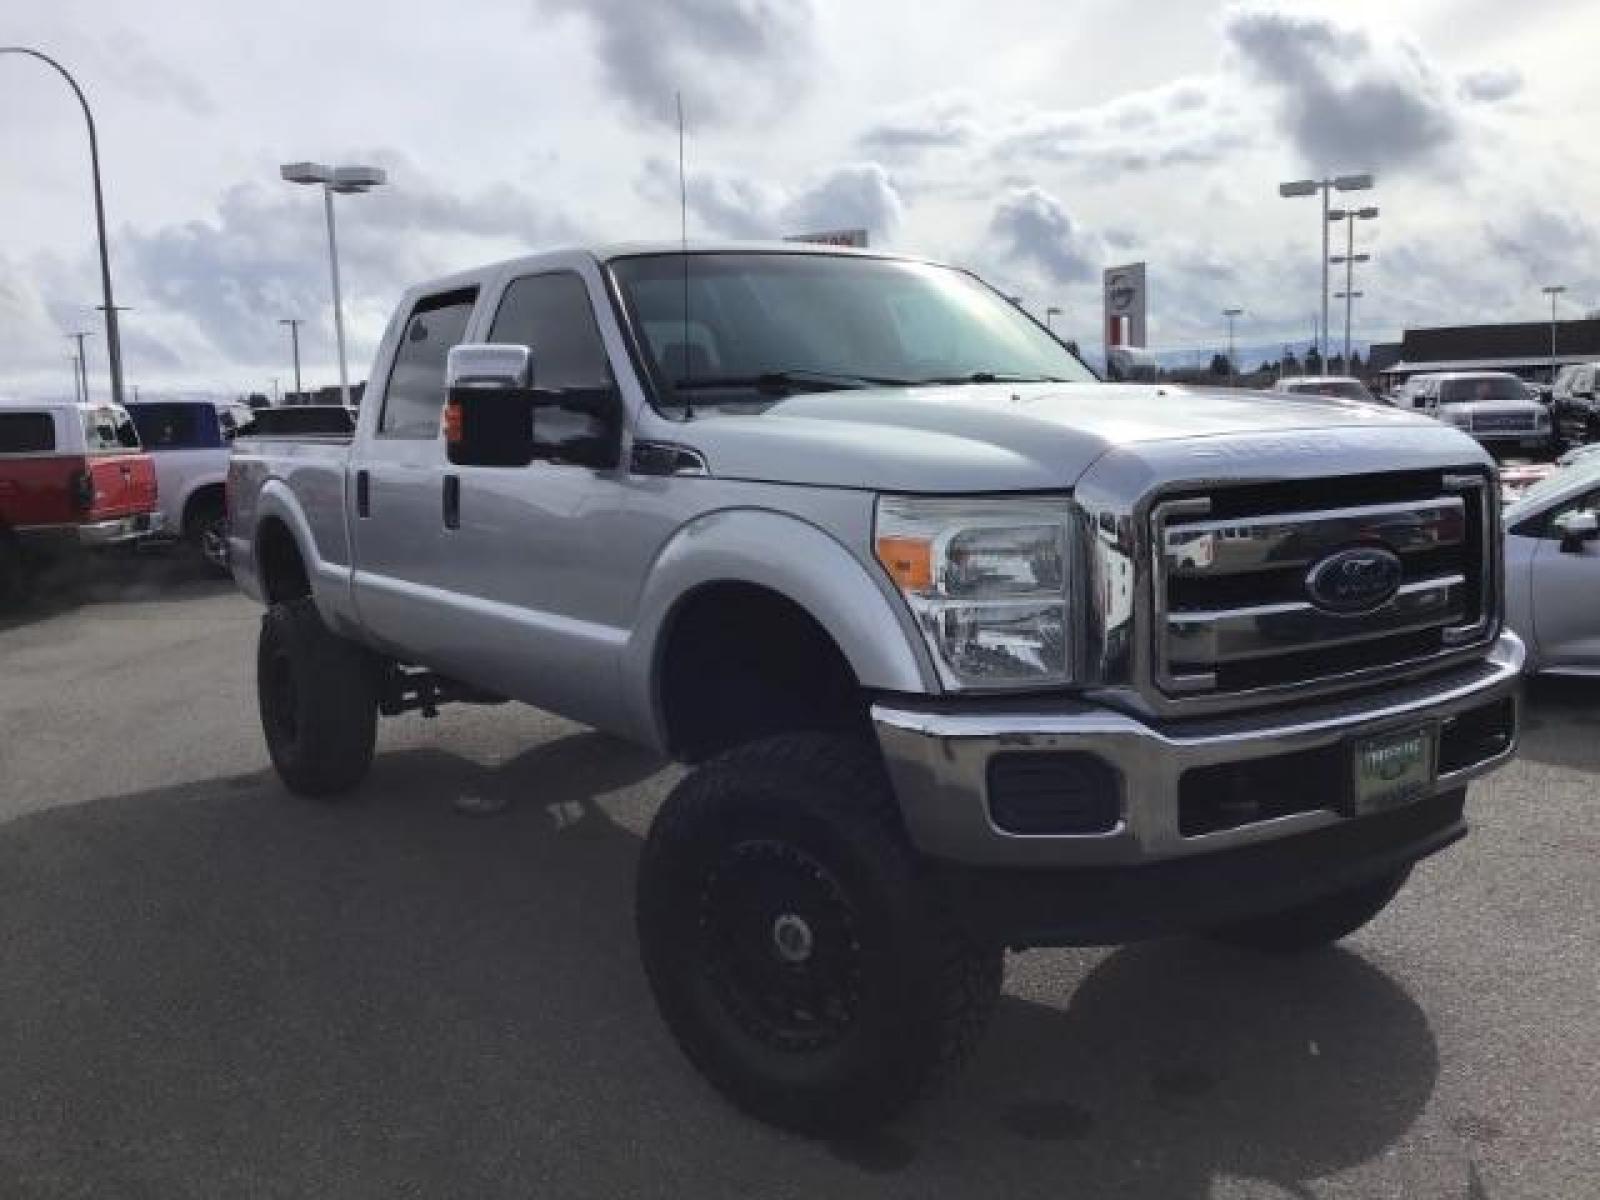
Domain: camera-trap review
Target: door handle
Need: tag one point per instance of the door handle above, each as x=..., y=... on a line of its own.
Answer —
x=452, y=502
x=363, y=494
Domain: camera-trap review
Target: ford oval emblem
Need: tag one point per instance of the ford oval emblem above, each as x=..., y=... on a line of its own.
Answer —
x=1356, y=580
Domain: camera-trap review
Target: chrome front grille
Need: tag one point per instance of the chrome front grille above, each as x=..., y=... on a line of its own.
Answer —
x=1234, y=611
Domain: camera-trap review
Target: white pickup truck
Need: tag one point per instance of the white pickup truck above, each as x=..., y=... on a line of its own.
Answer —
x=972, y=650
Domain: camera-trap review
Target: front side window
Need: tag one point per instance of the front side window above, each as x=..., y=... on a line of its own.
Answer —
x=762, y=325
x=551, y=315
x=414, y=397
x=109, y=430
x=27, y=433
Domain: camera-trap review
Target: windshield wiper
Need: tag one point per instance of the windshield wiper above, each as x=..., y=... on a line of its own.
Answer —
x=992, y=377
x=788, y=381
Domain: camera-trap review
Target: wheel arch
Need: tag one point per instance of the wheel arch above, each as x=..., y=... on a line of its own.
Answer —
x=785, y=558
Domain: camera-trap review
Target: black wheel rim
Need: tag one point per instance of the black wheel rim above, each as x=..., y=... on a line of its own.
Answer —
x=278, y=691
x=780, y=944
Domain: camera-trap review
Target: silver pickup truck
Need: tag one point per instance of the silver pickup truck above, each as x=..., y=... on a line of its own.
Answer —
x=972, y=650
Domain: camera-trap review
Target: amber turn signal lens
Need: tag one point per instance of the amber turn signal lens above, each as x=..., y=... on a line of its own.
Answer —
x=452, y=424
x=909, y=562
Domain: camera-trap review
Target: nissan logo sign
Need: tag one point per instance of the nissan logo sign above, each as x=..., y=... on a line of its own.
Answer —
x=1357, y=580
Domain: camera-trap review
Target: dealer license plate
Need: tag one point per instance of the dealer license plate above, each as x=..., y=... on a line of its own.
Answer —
x=1392, y=770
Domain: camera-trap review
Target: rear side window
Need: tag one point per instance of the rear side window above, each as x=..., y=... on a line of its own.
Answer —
x=173, y=426
x=108, y=431
x=27, y=433
x=414, y=397
x=551, y=314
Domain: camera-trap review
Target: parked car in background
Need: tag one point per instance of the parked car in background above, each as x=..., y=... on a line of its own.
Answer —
x=1577, y=454
x=190, y=441
x=1575, y=399
x=1493, y=406
x=1516, y=478
x=301, y=420
x=73, y=478
x=1409, y=393
x=1338, y=387
x=1552, y=561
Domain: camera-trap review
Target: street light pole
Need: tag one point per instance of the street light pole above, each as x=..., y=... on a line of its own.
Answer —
x=1309, y=187
x=77, y=387
x=294, y=324
x=1050, y=314
x=349, y=179
x=83, y=370
x=1231, y=313
x=113, y=337
x=1349, y=259
x=1553, y=291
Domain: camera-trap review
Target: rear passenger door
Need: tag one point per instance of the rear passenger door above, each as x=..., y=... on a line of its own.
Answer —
x=394, y=493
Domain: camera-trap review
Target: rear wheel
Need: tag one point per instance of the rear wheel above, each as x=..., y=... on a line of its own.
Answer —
x=205, y=530
x=317, y=693
x=1318, y=922
x=799, y=950
x=13, y=573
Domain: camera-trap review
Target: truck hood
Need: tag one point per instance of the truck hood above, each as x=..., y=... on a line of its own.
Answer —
x=1001, y=437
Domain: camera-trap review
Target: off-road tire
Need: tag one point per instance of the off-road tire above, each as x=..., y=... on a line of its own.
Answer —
x=317, y=694
x=1319, y=922
x=13, y=573
x=810, y=821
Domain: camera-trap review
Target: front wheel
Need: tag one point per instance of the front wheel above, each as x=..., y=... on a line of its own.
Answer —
x=318, y=698
x=797, y=947
x=1319, y=922
x=206, y=532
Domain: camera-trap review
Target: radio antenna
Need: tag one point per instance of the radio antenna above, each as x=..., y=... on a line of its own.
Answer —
x=683, y=242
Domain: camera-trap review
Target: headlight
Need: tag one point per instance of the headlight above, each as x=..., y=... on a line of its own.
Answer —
x=987, y=583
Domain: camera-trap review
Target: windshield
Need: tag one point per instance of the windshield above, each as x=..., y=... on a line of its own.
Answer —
x=1483, y=387
x=761, y=325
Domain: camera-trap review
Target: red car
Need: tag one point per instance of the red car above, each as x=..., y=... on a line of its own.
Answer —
x=72, y=477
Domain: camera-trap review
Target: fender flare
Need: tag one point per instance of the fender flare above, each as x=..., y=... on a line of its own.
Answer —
x=798, y=561
x=330, y=582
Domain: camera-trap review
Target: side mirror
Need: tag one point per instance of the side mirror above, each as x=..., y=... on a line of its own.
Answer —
x=496, y=417
x=1576, y=527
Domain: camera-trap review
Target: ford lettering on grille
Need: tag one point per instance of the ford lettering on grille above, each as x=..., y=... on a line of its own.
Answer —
x=1356, y=580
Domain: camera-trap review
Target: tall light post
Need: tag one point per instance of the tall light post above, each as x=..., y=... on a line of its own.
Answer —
x=1311, y=187
x=1554, y=292
x=294, y=324
x=1349, y=259
x=83, y=370
x=346, y=180
x=77, y=385
x=1050, y=314
x=1231, y=313
x=113, y=337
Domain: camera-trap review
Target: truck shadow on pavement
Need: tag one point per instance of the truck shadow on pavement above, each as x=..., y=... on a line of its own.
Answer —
x=217, y=989
x=1561, y=722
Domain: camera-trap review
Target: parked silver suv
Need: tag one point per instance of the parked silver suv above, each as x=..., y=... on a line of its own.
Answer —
x=1493, y=406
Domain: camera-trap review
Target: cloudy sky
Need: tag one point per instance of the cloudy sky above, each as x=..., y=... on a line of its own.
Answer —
x=1037, y=142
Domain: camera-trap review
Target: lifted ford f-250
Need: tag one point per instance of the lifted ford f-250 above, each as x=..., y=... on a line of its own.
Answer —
x=973, y=651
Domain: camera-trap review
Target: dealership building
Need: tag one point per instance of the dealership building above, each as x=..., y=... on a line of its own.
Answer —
x=1523, y=349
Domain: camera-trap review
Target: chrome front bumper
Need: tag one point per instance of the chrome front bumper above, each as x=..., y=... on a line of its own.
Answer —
x=120, y=530
x=938, y=759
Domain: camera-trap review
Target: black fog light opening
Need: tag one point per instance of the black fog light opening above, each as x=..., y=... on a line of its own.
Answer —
x=1067, y=792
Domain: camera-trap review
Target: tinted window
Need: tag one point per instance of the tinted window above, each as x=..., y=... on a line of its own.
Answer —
x=1486, y=387
x=27, y=433
x=415, y=396
x=551, y=314
x=108, y=430
x=173, y=426
x=840, y=318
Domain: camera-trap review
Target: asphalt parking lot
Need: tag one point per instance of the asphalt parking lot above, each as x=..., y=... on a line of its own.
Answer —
x=210, y=988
